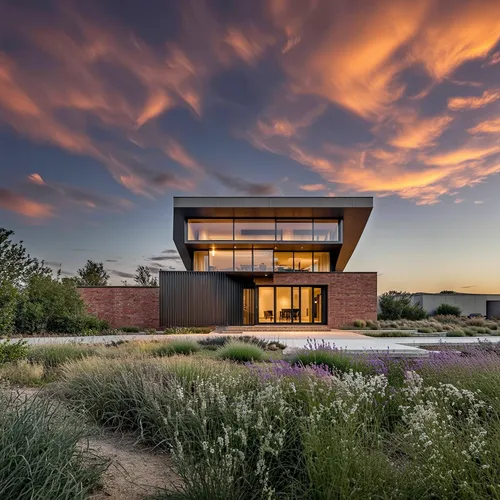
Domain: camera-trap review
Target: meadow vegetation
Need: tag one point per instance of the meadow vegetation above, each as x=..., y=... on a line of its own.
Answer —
x=315, y=423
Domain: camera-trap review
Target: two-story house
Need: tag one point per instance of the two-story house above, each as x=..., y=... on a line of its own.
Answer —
x=267, y=260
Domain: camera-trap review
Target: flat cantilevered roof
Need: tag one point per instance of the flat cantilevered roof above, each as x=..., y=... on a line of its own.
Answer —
x=354, y=211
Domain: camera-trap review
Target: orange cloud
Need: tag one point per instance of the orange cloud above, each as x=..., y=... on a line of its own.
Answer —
x=248, y=44
x=415, y=133
x=455, y=34
x=487, y=97
x=177, y=153
x=313, y=187
x=24, y=206
x=486, y=127
x=461, y=155
x=354, y=62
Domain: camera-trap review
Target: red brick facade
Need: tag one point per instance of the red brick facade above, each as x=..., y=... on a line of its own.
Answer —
x=123, y=306
x=350, y=295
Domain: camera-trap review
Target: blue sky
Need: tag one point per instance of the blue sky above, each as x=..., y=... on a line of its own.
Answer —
x=108, y=110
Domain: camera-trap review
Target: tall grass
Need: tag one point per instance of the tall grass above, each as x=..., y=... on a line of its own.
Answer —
x=52, y=356
x=295, y=432
x=39, y=454
x=241, y=352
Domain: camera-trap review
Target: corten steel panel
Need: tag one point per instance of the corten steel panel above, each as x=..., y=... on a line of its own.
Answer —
x=189, y=298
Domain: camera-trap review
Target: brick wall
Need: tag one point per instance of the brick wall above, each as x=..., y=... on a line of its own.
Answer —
x=350, y=295
x=123, y=306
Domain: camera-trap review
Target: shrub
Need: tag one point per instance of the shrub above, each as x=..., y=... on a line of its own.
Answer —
x=475, y=322
x=52, y=356
x=22, y=372
x=372, y=325
x=130, y=329
x=39, y=453
x=178, y=346
x=241, y=352
x=150, y=331
x=448, y=310
x=359, y=323
x=389, y=334
x=455, y=333
x=9, y=297
x=425, y=330
x=11, y=351
x=331, y=358
x=181, y=330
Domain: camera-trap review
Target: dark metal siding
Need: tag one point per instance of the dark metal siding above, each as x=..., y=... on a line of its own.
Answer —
x=190, y=298
x=493, y=309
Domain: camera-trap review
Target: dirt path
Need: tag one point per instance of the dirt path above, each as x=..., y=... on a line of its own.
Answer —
x=134, y=472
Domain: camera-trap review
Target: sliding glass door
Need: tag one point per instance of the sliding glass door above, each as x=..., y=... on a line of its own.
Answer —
x=286, y=304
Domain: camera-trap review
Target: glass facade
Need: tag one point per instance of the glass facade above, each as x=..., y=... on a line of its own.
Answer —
x=210, y=229
x=263, y=230
x=326, y=230
x=294, y=230
x=220, y=260
x=254, y=229
x=261, y=261
x=286, y=304
x=243, y=260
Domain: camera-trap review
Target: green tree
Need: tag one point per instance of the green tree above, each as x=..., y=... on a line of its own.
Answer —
x=143, y=277
x=16, y=265
x=49, y=305
x=397, y=305
x=93, y=274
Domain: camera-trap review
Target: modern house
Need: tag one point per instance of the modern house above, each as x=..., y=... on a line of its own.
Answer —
x=267, y=260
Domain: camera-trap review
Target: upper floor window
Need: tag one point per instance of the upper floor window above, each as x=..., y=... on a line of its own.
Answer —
x=210, y=229
x=294, y=230
x=263, y=230
x=326, y=230
x=254, y=229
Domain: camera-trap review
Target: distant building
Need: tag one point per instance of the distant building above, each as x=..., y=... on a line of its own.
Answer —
x=470, y=303
x=267, y=260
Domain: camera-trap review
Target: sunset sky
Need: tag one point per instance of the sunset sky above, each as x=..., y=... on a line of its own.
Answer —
x=108, y=109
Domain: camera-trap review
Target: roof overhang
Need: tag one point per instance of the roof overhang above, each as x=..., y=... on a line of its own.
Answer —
x=354, y=211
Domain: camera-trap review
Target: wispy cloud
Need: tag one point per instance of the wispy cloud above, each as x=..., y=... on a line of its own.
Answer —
x=246, y=187
x=313, y=187
x=486, y=127
x=474, y=102
x=22, y=205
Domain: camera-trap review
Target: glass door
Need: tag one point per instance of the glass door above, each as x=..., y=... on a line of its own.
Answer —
x=248, y=306
x=286, y=304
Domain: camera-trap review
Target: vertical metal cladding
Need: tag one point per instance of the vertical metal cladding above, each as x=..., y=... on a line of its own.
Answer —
x=190, y=298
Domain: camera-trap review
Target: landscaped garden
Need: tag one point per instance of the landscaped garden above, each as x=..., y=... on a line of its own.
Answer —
x=241, y=420
x=398, y=317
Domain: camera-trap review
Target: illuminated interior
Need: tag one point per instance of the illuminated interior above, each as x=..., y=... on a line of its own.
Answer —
x=284, y=304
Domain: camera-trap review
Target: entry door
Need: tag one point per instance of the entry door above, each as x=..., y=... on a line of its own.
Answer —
x=285, y=305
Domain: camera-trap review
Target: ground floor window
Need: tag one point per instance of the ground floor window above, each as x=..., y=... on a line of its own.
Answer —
x=287, y=304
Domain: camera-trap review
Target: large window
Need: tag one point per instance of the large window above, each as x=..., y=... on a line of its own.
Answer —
x=303, y=261
x=285, y=304
x=243, y=260
x=294, y=230
x=210, y=229
x=254, y=229
x=321, y=262
x=283, y=261
x=200, y=261
x=326, y=230
x=263, y=230
x=220, y=260
x=263, y=260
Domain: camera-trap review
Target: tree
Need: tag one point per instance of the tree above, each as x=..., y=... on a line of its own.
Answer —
x=397, y=305
x=16, y=265
x=449, y=292
x=93, y=274
x=143, y=277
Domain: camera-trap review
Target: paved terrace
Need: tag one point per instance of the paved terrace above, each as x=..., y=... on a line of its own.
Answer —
x=348, y=341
